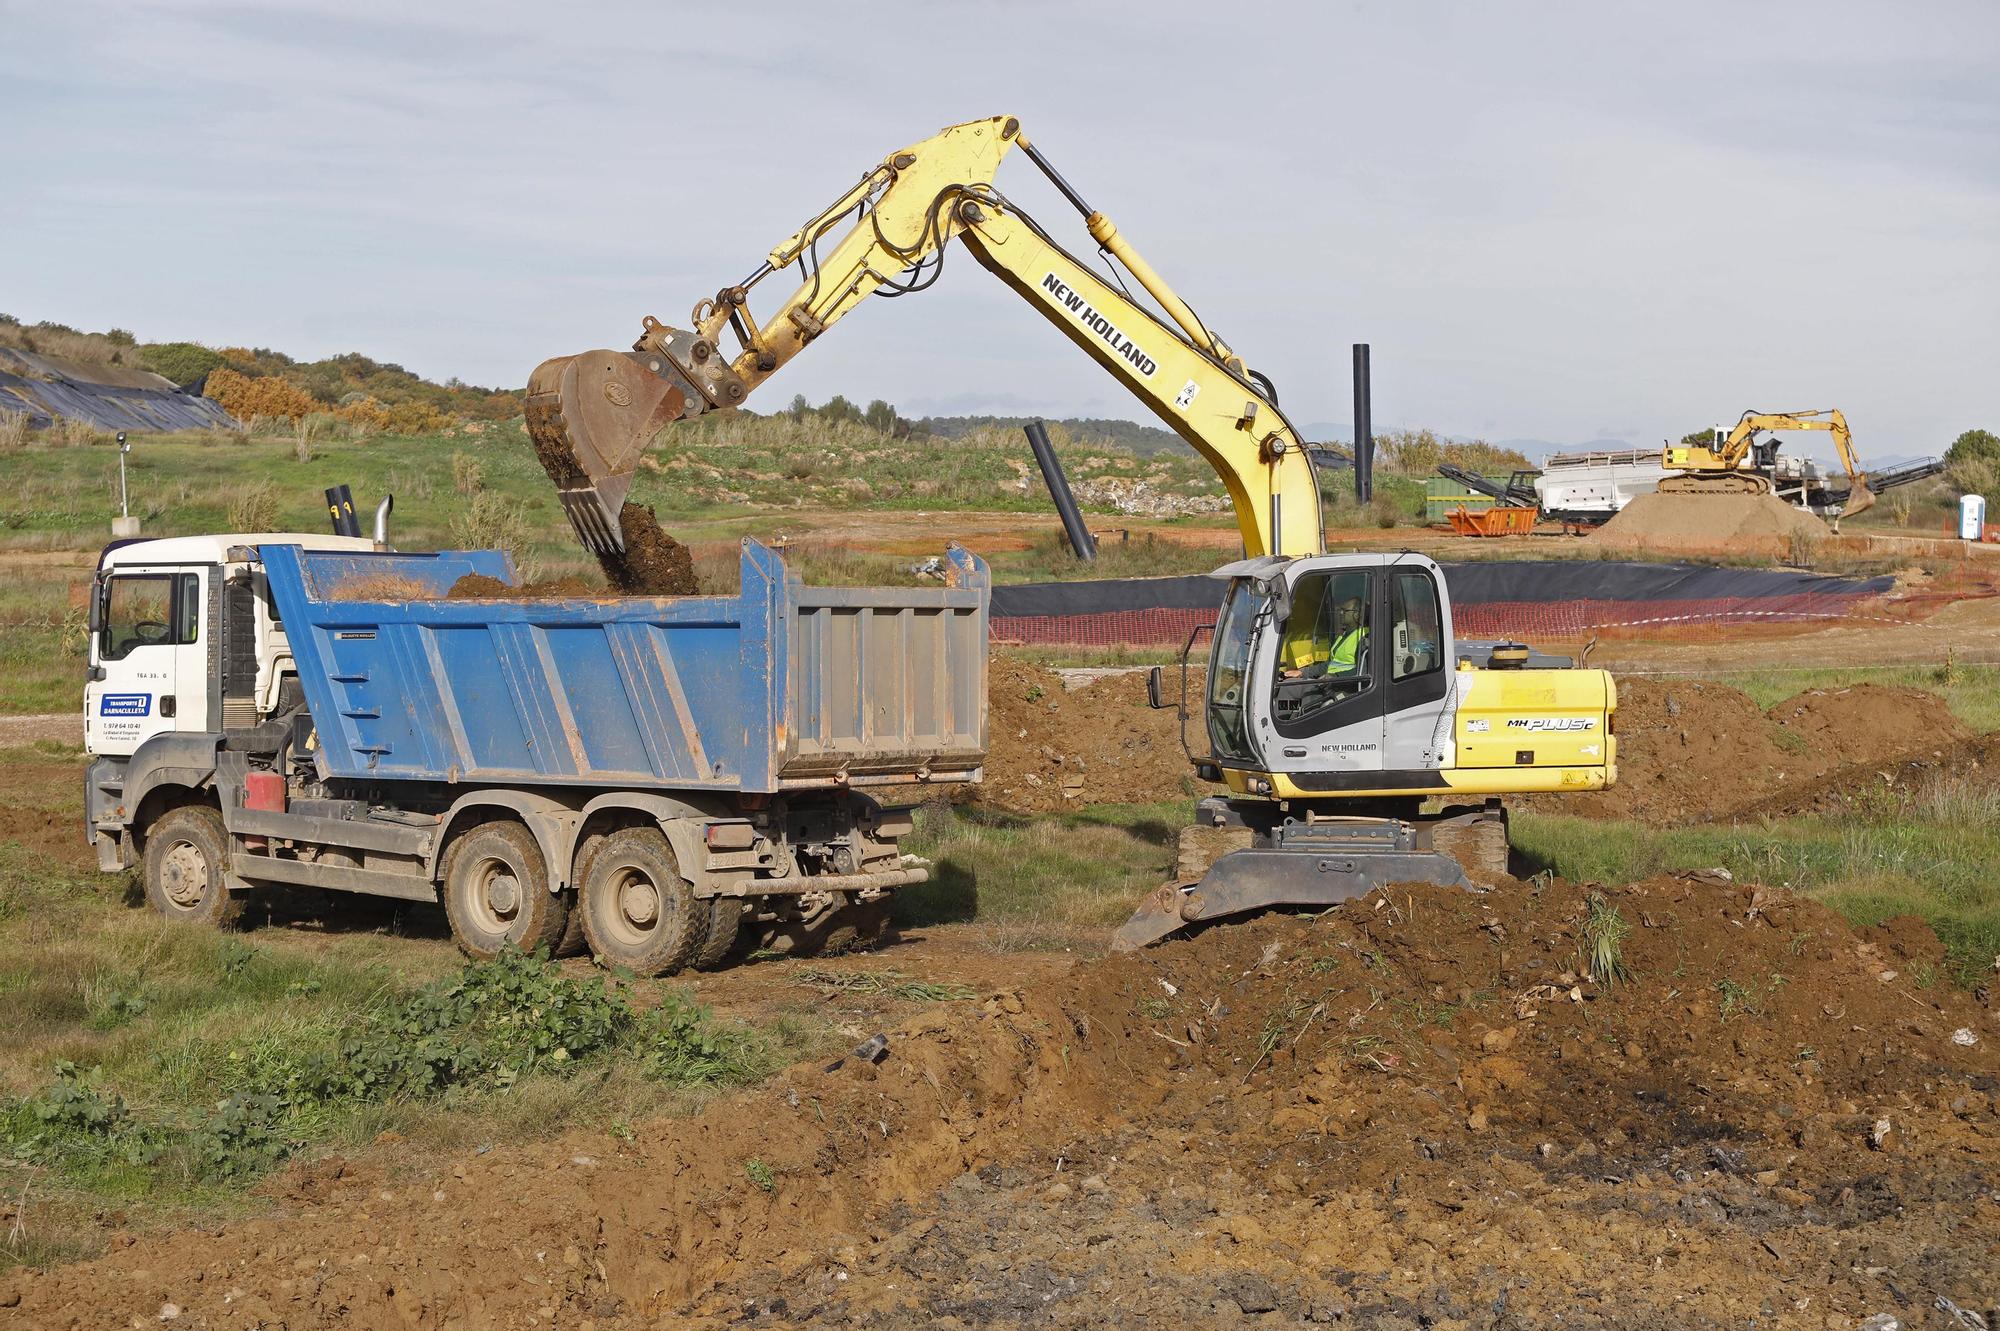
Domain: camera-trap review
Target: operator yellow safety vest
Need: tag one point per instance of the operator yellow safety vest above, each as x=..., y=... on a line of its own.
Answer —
x=1345, y=649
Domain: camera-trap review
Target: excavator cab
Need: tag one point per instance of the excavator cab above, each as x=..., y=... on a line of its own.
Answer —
x=1330, y=709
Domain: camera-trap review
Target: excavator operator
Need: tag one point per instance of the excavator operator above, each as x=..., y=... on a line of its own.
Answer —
x=1326, y=633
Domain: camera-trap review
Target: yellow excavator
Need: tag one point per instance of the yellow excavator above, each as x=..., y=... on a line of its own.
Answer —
x=1718, y=465
x=1340, y=710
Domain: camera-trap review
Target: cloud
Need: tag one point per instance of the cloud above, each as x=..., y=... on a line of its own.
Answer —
x=1542, y=218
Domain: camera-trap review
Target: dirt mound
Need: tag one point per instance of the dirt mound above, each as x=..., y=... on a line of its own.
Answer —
x=1101, y=744
x=480, y=587
x=1416, y=1110
x=1683, y=746
x=653, y=563
x=1966, y=773
x=1865, y=722
x=1696, y=750
x=1709, y=523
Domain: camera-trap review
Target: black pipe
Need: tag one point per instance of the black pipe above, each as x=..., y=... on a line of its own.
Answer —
x=340, y=506
x=1364, y=429
x=1052, y=473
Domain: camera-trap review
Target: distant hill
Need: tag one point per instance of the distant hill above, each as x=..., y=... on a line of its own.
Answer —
x=1145, y=440
x=393, y=396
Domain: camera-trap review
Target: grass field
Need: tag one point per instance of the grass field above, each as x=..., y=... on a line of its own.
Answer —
x=1931, y=858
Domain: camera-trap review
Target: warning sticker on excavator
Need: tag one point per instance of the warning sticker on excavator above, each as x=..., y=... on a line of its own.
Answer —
x=1185, y=398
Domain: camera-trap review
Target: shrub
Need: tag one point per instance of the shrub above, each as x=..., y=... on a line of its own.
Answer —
x=254, y=507
x=1972, y=474
x=246, y=398
x=415, y=418
x=467, y=476
x=13, y=430
x=1975, y=445
x=72, y=432
x=182, y=362
x=492, y=521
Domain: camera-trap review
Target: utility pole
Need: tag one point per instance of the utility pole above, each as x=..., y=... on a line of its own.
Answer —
x=124, y=525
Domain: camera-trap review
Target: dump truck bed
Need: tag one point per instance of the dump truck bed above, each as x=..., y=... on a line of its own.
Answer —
x=779, y=687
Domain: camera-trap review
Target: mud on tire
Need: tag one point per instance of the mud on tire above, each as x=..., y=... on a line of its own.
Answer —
x=725, y=920
x=496, y=892
x=638, y=912
x=186, y=868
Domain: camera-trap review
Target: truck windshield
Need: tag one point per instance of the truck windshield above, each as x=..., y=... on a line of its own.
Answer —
x=1229, y=673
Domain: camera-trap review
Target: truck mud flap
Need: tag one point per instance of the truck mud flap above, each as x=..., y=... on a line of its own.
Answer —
x=1252, y=880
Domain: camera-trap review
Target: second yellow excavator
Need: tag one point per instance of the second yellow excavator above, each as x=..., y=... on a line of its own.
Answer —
x=1340, y=709
x=1736, y=461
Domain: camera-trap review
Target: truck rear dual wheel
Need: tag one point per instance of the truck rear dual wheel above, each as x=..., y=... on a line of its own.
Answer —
x=638, y=912
x=187, y=866
x=496, y=893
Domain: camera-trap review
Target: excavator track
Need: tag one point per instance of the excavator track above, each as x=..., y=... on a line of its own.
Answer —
x=1716, y=483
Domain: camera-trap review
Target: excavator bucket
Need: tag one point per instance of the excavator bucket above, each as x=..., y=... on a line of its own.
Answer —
x=1244, y=881
x=590, y=417
x=1222, y=871
x=1859, y=499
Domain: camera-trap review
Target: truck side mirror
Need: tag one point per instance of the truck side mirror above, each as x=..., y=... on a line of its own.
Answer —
x=1156, y=688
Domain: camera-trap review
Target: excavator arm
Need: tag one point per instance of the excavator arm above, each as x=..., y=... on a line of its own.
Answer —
x=592, y=416
x=1726, y=456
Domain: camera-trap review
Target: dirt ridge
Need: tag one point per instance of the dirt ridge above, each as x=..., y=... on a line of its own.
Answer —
x=1420, y=1106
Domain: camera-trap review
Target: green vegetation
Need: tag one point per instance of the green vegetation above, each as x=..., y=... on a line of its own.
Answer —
x=43, y=634
x=885, y=983
x=1044, y=879
x=1971, y=691
x=161, y=1068
x=1603, y=944
x=1925, y=852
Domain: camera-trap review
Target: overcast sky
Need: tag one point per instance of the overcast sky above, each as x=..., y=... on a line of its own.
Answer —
x=1556, y=221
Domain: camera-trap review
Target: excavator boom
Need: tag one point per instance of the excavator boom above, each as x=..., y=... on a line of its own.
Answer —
x=592, y=416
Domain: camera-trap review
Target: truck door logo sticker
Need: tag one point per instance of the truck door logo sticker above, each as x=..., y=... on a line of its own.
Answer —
x=1084, y=313
x=125, y=704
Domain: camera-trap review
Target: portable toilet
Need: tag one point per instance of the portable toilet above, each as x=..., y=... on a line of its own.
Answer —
x=1972, y=517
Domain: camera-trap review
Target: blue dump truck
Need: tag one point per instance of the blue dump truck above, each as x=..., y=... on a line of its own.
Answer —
x=660, y=780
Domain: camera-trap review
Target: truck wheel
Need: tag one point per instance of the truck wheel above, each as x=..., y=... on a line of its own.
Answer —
x=638, y=912
x=187, y=861
x=858, y=928
x=725, y=917
x=496, y=893
x=573, y=943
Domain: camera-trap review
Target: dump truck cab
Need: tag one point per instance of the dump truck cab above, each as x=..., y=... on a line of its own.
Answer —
x=183, y=638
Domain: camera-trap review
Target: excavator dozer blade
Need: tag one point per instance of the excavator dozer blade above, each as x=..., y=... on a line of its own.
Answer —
x=1244, y=881
x=590, y=417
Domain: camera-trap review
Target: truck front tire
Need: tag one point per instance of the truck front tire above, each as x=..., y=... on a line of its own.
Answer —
x=496, y=893
x=638, y=912
x=187, y=867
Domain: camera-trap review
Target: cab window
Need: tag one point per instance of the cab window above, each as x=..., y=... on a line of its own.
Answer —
x=1324, y=651
x=149, y=610
x=1419, y=630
